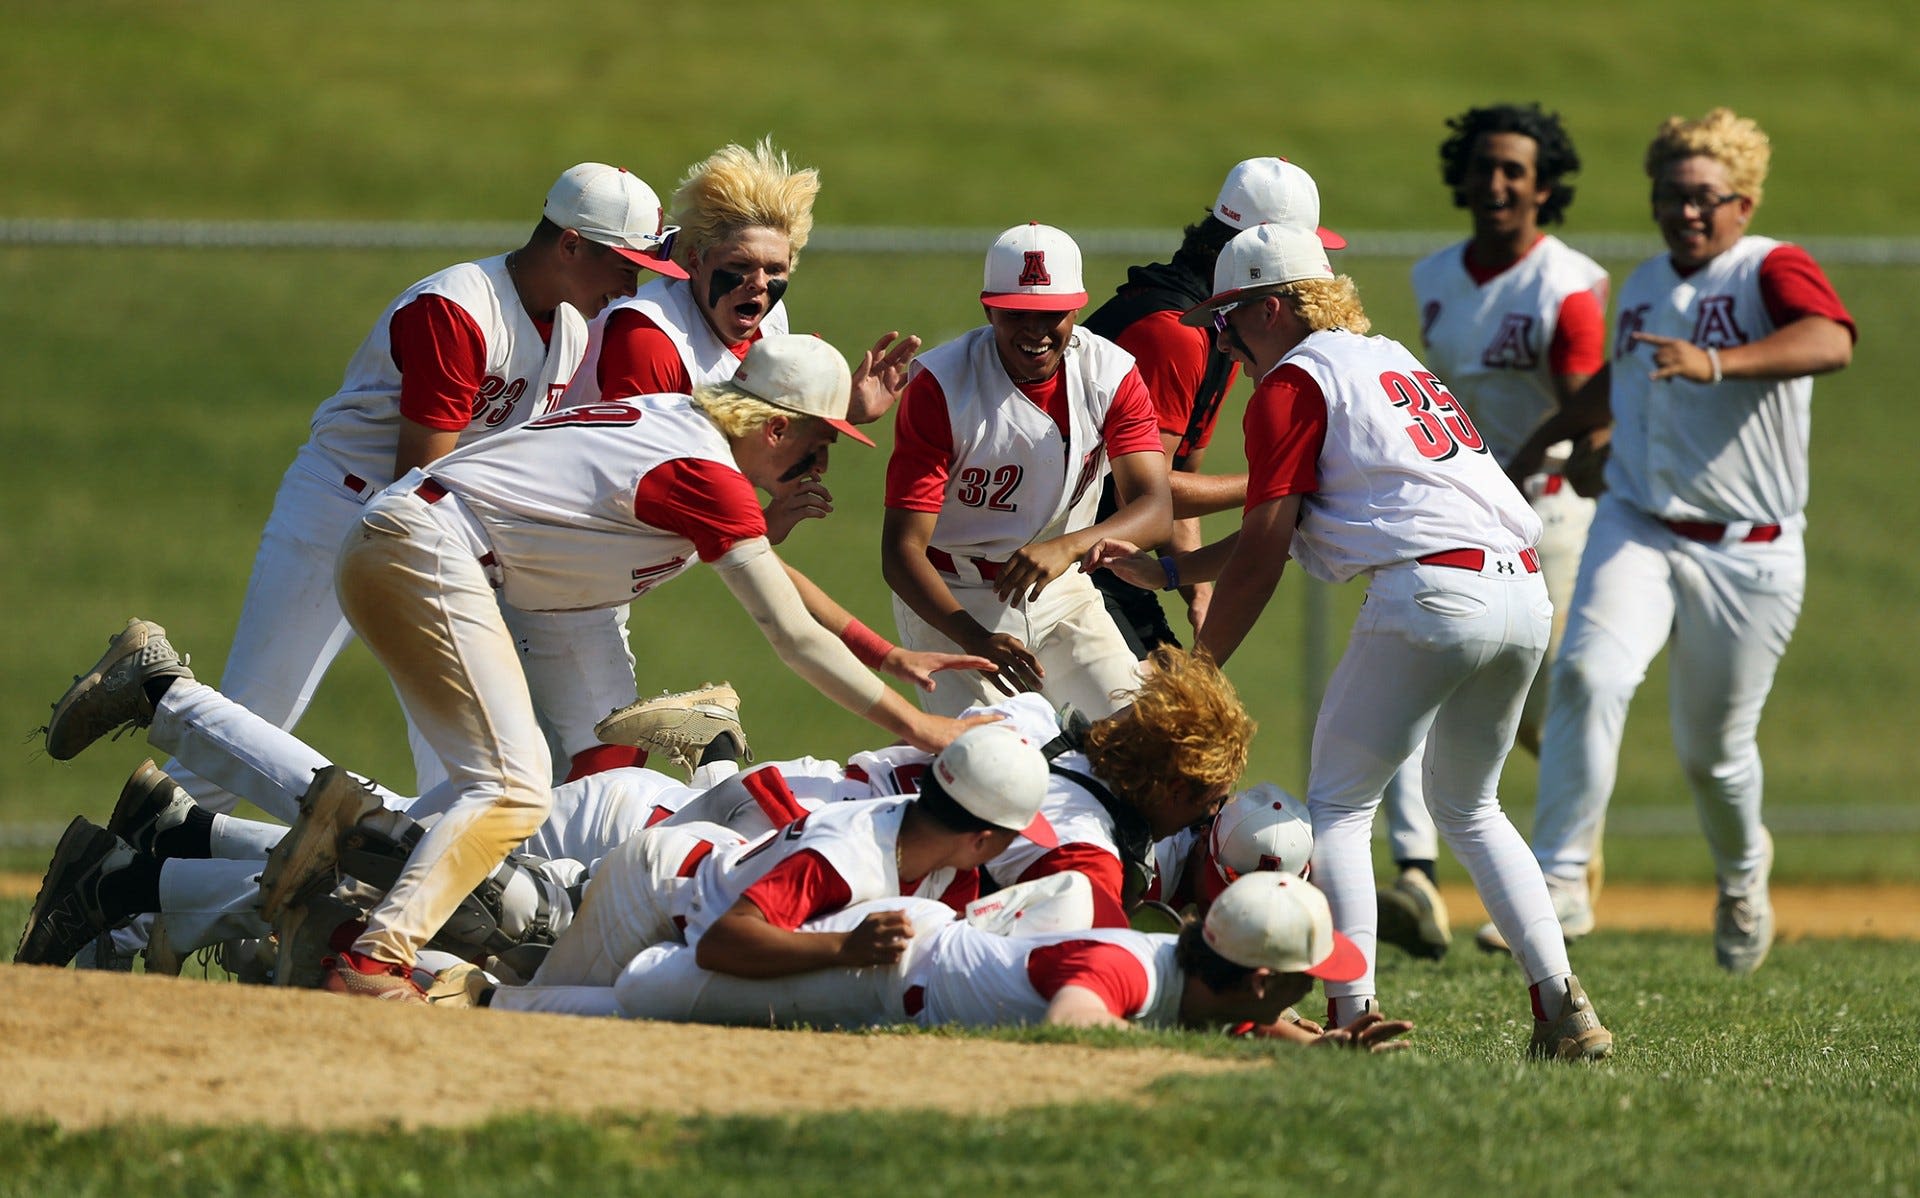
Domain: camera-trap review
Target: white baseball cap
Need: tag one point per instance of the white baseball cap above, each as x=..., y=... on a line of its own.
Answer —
x=1273, y=191
x=614, y=207
x=1263, y=827
x=1259, y=259
x=1034, y=268
x=1000, y=776
x=802, y=374
x=1279, y=921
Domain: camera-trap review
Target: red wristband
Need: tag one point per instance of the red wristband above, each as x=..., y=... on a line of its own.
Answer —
x=867, y=645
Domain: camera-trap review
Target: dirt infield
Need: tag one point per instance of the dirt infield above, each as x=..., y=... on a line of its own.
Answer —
x=54, y=1022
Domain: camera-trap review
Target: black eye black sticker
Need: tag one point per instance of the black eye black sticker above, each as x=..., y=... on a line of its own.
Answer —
x=722, y=282
x=775, y=289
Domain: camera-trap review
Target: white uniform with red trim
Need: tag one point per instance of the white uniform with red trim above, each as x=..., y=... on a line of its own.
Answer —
x=670, y=305
x=290, y=627
x=1698, y=542
x=1442, y=650
x=1492, y=341
x=1013, y=479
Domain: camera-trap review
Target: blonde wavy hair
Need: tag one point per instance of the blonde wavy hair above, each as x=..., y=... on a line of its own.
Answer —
x=1185, y=735
x=736, y=413
x=1327, y=304
x=737, y=188
x=1733, y=141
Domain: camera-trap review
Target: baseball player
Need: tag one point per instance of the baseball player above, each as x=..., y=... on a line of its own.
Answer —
x=1360, y=461
x=1515, y=322
x=460, y=355
x=1698, y=541
x=999, y=449
x=1258, y=949
x=584, y=508
x=741, y=907
x=1187, y=376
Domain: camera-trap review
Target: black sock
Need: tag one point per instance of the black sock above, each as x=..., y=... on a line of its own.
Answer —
x=131, y=890
x=1424, y=866
x=193, y=839
x=156, y=689
x=724, y=747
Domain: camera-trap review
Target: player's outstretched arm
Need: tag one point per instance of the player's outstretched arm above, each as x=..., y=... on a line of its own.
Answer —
x=743, y=943
x=1249, y=576
x=881, y=377
x=903, y=563
x=1144, y=517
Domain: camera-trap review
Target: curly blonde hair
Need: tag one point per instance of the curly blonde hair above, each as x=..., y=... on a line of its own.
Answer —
x=1733, y=141
x=1327, y=304
x=1186, y=733
x=737, y=188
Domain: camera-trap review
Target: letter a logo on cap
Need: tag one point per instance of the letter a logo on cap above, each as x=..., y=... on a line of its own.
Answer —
x=1034, y=274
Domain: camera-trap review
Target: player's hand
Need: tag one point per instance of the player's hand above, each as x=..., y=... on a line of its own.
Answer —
x=1675, y=358
x=918, y=666
x=880, y=939
x=1016, y=669
x=1031, y=568
x=805, y=498
x=881, y=377
x=1128, y=562
x=932, y=733
x=1586, y=466
x=1371, y=1032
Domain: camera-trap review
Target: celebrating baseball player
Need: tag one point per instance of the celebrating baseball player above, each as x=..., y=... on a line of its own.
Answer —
x=999, y=449
x=1360, y=461
x=1698, y=541
x=459, y=356
x=587, y=507
x=1515, y=322
x=1187, y=375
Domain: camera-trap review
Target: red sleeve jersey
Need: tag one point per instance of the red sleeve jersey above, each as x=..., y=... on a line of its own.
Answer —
x=442, y=359
x=1171, y=359
x=1286, y=425
x=637, y=358
x=711, y=505
x=802, y=887
x=1131, y=426
x=1102, y=869
x=1794, y=287
x=1109, y=971
x=922, y=448
x=1579, y=343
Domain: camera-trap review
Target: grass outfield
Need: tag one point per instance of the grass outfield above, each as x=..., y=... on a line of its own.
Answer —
x=1800, y=1080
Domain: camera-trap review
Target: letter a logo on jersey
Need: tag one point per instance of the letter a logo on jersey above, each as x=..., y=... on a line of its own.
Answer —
x=1512, y=346
x=1715, y=325
x=1034, y=273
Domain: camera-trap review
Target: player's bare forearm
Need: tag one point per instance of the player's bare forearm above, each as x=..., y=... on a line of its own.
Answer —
x=1145, y=511
x=1077, y=1006
x=1810, y=345
x=419, y=445
x=1203, y=494
x=1246, y=582
x=746, y=946
x=1583, y=409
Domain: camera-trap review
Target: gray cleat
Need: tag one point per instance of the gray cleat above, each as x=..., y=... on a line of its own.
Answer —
x=112, y=695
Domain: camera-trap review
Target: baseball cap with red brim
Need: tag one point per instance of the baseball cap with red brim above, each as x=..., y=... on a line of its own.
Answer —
x=1034, y=268
x=612, y=206
x=802, y=374
x=1257, y=261
x=998, y=776
x=1273, y=191
x=1279, y=921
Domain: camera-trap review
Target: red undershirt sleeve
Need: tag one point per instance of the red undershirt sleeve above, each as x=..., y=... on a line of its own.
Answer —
x=1286, y=425
x=712, y=505
x=637, y=358
x=1579, y=335
x=802, y=887
x=442, y=359
x=1794, y=287
x=1102, y=869
x=1171, y=359
x=1109, y=971
x=922, y=448
x=1131, y=426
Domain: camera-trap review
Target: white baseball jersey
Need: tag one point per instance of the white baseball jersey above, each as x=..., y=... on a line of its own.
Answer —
x=976, y=979
x=1721, y=452
x=1014, y=479
x=1077, y=818
x=555, y=500
x=355, y=432
x=859, y=840
x=1490, y=340
x=670, y=305
x=1403, y=472
x=593, y=814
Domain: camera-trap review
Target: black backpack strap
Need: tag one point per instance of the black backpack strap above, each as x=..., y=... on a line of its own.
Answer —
x=1131, y=834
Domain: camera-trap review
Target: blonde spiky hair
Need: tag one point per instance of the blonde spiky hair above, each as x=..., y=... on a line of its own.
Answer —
x=1733, y=141
x=737, y=188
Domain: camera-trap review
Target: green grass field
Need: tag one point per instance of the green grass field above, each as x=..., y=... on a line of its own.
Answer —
x=159, y=393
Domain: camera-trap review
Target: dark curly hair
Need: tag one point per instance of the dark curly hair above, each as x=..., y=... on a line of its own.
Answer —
x=1556, y=157
x=1201, y=243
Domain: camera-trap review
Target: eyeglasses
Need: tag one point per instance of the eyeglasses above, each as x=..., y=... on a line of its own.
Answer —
x=1220, y=315
x=1704, y=202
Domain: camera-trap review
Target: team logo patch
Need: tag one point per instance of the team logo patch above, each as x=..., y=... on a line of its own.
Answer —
x=1716, y=325
x=1034, y=273
x=1512, y=346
